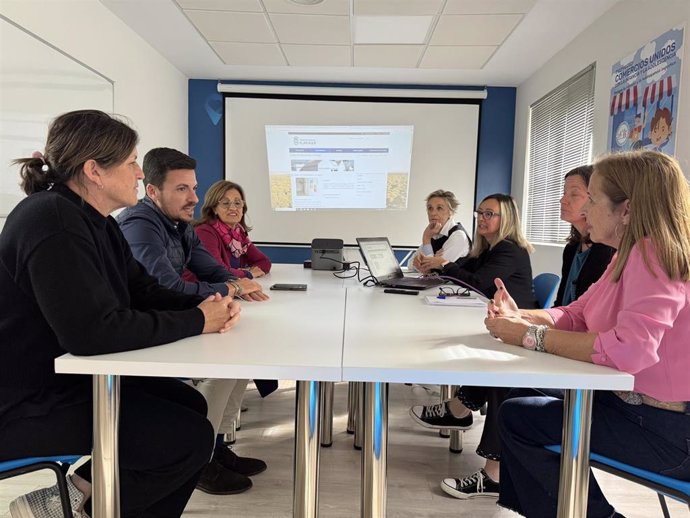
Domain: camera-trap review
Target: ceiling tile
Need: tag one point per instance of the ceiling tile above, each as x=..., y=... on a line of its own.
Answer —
x=464, y=58
x=489, y=29
x=397, y=7
x=391, y=29
x=318, y=55
x=259, y=54
x=488, y=6
x=335, y=7
x=232, y=26
x=398, y=56
x=314, y=29
x=222, y=5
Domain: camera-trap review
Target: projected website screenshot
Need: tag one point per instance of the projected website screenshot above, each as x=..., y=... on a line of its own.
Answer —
x=339, y=167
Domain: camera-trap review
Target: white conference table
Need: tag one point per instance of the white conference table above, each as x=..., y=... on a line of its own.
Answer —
x=295, y=336
x=405, y=340
x=337, y=331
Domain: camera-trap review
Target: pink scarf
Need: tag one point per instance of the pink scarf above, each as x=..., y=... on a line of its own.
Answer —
x=236, y=239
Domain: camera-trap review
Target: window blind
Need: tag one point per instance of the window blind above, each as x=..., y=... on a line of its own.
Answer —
x=560, y=139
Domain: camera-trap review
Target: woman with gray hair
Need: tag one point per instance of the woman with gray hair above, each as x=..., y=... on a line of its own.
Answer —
x=443, y=239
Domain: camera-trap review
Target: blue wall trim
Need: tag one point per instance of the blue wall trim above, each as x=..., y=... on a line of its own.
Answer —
x=494, y=153
x=496, y=137
x=205, y=133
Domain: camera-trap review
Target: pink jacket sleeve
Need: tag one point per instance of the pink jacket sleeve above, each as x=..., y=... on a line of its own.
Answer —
x=649, y=305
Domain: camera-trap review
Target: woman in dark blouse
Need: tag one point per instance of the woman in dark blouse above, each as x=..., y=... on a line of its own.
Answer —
x=500, y=249
x=583, y=261
x=69, y=283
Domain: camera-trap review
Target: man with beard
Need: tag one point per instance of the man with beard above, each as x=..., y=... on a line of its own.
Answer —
x=159, y=231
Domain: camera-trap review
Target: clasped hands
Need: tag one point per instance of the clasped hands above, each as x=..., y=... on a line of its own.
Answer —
x=220, y=313
x=426, y=263
x=503, y=319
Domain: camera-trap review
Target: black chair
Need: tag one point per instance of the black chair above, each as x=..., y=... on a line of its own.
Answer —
x=59, y=465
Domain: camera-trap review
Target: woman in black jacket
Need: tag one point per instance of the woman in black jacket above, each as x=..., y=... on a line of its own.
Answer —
x=69, y=283
x=500, y=250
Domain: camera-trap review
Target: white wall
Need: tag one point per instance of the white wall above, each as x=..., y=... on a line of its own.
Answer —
x=621, y=30
x=149, y=91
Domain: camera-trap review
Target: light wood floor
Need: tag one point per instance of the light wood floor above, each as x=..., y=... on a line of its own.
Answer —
x=417, y=461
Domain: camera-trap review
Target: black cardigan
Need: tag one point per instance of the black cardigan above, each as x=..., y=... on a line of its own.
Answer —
x=69, y=283
x=505, y=260
x=598, y=259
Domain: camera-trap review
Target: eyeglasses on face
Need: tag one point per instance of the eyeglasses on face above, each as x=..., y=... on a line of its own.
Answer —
x=226, y=204
x=485, y=214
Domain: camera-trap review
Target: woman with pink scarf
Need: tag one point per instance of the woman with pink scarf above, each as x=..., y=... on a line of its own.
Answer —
x=224, y=232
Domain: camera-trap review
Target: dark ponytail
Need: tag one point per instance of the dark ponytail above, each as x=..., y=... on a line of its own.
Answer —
x=36, y=174
x=74, y=138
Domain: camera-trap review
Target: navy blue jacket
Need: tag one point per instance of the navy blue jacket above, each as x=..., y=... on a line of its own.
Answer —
x=166, y=248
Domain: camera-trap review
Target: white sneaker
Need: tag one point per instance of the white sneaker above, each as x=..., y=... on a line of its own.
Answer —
x=45, y=503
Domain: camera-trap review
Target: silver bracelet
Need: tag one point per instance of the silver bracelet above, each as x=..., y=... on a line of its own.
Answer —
x=540, y=335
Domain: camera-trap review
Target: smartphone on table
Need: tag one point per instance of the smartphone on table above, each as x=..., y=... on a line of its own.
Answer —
x=289, y=287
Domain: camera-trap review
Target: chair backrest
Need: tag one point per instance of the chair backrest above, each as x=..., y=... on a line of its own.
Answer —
x=545, y=288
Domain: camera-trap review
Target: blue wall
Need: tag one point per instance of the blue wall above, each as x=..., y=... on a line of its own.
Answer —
x=496, y=136
x=494, y=154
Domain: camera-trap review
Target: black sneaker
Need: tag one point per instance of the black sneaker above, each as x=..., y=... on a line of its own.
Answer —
x=439, y=416
x=218, y=480
x=243, y=465
x=477, y=485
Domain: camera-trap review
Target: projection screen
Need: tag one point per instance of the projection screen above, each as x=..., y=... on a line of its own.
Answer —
x=347, y=167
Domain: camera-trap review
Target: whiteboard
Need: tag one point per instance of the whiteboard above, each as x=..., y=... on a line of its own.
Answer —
x=37, y=83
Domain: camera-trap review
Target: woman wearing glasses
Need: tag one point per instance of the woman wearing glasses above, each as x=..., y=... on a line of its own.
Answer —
x=500, y=250
x=224, y=231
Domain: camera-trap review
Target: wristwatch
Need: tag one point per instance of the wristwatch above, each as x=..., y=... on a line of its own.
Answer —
x=238, y=288
x=534, y=338
x=529, y=341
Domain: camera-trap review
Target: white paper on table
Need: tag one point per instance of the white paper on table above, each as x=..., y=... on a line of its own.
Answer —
x=467, y=302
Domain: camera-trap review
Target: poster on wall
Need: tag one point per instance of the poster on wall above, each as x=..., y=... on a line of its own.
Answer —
x=644, y=96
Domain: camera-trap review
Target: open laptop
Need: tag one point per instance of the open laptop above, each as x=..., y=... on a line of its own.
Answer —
x=384, y=268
